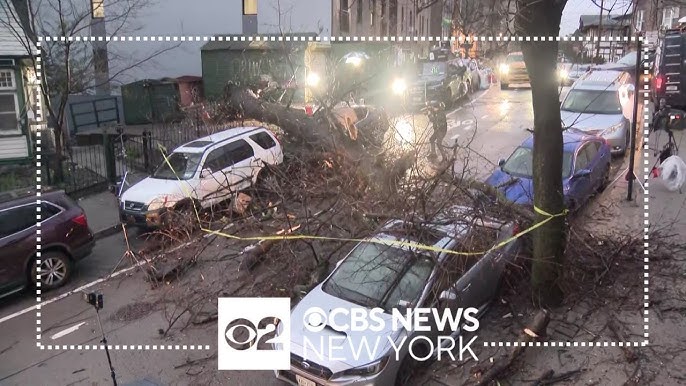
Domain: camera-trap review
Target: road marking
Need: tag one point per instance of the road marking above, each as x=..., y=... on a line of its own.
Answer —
x=485, y=116
x=67, y=331
x=472, y=101
x=467, y=127
x=455, y=136
x=91, y=284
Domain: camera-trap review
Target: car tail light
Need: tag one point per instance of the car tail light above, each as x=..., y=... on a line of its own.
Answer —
x=80, y=220
x=659, y=82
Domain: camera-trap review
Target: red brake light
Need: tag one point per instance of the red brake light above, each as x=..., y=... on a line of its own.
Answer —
x=80, y=220
x=659, y=81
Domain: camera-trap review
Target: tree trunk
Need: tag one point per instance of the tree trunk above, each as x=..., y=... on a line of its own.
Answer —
x=542, y=19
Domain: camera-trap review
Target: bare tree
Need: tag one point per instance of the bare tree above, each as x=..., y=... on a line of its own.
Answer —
x=68, y=63
x=542, y=18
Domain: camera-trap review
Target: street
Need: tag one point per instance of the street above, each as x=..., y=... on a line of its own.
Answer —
x=491, y=125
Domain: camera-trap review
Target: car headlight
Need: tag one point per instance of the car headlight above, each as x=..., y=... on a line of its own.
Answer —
x=563, y=74
x=504, y=68
x=313, y=79
x=399, y=86
x=612, y=129
x=366, y=370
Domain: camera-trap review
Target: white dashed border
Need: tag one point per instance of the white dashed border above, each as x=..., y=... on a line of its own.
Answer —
x=236, y=38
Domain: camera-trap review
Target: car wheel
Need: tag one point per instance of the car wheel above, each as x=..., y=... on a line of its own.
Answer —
x=504, y=86
x=55, y=270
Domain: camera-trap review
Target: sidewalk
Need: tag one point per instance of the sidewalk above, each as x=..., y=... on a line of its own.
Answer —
x=102, y=210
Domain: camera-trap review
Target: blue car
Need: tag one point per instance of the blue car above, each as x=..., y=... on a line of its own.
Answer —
x=585, y=170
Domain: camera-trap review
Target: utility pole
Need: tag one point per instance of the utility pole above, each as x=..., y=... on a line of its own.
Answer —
x=600, y=29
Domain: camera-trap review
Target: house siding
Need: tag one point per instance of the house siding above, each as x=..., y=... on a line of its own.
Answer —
x=9, y=44
x=13, y=148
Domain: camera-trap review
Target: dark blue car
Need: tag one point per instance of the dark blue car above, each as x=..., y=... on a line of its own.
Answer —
x=585, y=170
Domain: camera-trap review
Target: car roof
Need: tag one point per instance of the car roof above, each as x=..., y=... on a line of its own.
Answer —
x=571, y=140
x=26, y=196
x=201, y=144
x=599, y=80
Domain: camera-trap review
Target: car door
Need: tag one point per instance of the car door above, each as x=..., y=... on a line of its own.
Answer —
x=213, y=182
x=241, y=165
x=595, y=163
x=581, y=186
x=17, y=243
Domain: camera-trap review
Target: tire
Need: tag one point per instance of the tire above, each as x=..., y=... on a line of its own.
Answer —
x=504, y=86
x=56, y=269
x=627, y=143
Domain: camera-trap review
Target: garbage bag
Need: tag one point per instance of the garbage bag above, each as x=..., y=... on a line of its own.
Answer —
x=673, y=172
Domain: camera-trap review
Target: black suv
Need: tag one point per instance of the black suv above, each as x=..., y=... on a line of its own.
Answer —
x=65, y=239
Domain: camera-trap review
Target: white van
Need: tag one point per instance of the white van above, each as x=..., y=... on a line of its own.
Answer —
x=202, y=173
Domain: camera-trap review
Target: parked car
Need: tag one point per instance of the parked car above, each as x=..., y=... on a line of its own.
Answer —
x=513, y=70
x=585, y=170
x=601, y=103
x=203, y=173
x=65, y=239
x=441, y=78
x=385, y=272
x=576, y=71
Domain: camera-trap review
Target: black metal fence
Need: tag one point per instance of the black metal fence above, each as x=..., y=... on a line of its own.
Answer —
x=93, y=167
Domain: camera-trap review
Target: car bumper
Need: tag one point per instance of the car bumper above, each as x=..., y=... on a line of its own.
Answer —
x=84, y=250
x=291, y=377
x=150, y=219
x=515, y=78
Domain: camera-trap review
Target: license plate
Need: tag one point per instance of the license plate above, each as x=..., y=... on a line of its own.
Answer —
x=304, y=381
x=671, y=88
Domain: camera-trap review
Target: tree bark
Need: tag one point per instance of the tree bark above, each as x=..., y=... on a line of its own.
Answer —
x=542, y=19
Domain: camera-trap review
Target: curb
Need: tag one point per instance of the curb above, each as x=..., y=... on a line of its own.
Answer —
x=109, y=231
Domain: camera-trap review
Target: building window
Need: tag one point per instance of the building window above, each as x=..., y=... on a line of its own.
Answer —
x=9, y=113
x=250, y=7
x=639, y=20
x=669, y=15
x=7, y=79
x=344, y=17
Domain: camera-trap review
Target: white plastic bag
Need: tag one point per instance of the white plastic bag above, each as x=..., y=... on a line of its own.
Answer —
x=673, y=172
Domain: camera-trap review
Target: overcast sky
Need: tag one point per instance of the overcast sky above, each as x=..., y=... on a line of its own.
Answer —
x=211, y=17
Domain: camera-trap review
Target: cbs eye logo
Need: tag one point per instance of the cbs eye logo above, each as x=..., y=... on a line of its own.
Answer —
x=242, y=334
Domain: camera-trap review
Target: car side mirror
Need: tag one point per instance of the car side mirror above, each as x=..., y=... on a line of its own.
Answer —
x=447, y=295
x=205, y=173
x=501, y=162
x=582, y=173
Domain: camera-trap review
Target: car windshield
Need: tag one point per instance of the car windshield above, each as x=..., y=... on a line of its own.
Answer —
x=376, y=275
x=515, y=58
x=592, y=102
x=434, y=68
x=183, y=166
x=520, y=163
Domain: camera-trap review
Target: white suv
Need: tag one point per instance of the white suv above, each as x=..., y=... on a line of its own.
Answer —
x=203, y=173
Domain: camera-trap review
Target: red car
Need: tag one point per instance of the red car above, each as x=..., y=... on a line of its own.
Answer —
x=65, y=239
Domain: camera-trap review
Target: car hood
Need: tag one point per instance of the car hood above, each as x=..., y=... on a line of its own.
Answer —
x=350, y=342
x=151, y=188
x=593, y=124
x=519, y=190
x=428, y=79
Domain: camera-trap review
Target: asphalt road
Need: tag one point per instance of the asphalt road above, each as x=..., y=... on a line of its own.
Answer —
x=492, y=124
